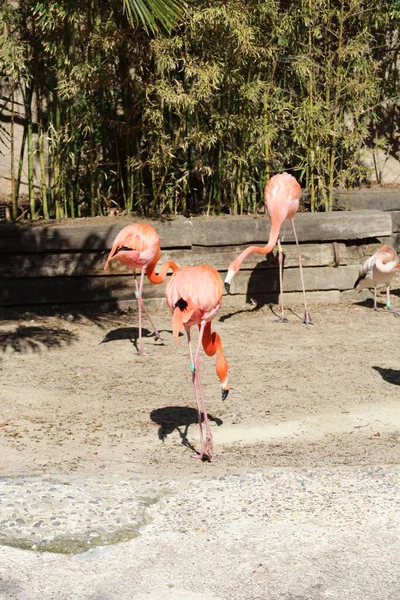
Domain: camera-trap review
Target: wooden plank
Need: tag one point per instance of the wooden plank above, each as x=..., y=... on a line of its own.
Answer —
x=83, y=235
x=63, y=290
x=115, y=289
x=200, y=231
x=322, y=278
x=395, y=241
x=313, y=255
x=318, y=227
x=237, y=302
x=368, y=199
x=81, y=264
x=74, y=264
x=396, y=220
x=290, y=298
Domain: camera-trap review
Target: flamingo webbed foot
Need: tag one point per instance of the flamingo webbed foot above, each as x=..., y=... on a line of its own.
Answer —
x=203, y=456
x=307, y=320
x=282, y=320
x=143, y=353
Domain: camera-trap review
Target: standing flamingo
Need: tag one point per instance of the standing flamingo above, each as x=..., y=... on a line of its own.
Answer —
x=378, y=270
x=194, y=296
x=281, y=198
x=137, y=246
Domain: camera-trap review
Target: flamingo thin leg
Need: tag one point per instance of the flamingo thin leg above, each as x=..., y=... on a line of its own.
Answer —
x=389, y=304
x=193, y=370
x=207, y=452
x=375, y=300
x=307, y=318
x=157, y=335
x=283, y=319
x=140, y=306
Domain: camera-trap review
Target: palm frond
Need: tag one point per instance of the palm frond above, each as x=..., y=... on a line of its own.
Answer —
x=151, y=13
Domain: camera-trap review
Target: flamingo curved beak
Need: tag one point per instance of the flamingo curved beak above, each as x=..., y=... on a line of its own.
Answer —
x=225, y=394
x=230, y=275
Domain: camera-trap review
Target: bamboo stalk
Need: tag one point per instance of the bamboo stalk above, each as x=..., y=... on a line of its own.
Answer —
x=43, y=176
x=14, y=199
x=43, y=191
x=31, y=152
x=311, y=106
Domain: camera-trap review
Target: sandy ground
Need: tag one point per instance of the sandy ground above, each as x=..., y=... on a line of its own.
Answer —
x=76, y=399
x=100, y=498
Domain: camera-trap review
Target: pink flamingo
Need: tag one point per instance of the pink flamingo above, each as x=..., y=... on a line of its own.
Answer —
x=194, y=296
x=137, y=246
x=281, y=198
x=378, y=270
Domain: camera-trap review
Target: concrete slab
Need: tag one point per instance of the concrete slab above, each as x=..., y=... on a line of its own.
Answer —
x=274, y=534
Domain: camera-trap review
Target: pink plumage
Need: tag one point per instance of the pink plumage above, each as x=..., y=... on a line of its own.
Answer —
x=281, y=196
x=194, y=295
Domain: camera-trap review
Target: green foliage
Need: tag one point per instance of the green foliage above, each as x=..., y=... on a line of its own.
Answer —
x=196, y=119
x=152, y=12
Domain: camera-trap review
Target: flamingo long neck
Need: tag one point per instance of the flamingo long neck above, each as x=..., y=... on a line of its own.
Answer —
x=152, y=275
x=212, y=345
x=385, y=267
x=273, y=238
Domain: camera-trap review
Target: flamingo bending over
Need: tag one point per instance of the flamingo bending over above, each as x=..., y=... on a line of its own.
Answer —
x=281, y=198
x=194, y=295
x=137, y=246
x=378, y=270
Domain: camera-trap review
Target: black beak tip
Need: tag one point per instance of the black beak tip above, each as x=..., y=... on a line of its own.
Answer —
x=227, y=287
x=225, y=394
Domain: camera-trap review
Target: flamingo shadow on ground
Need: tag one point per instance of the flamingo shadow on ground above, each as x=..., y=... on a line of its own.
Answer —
x=131, y=334
x=263, y=288
x=124, y=333
x=381, y=305
x=178, y=418
x=25, y=339
x=369, y=302
x=389, y=375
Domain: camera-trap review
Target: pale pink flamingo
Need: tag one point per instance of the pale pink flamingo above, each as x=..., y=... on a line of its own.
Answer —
x=377, y=271
x=194, y=296
x=281, y=198
x=137, y=246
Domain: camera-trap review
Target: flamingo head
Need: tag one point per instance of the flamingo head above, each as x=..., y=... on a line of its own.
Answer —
x=222, y=372
x=121, y=253
x=232, y=270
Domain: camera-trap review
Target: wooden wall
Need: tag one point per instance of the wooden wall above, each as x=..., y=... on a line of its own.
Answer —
x=62, y=264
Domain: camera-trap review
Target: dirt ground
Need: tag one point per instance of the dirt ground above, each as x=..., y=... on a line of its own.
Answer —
x=75, y=397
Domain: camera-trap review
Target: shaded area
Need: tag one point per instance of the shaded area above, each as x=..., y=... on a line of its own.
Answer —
x=46, y=264
x=32, y=338
x=178, y=418
x=389, y=375
x=265, y=277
